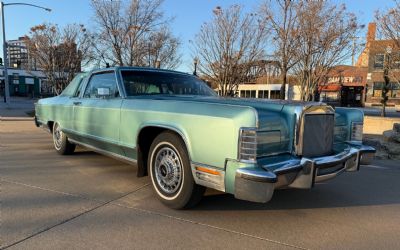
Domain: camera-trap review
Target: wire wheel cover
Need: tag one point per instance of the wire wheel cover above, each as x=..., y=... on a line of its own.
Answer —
x=168, y=170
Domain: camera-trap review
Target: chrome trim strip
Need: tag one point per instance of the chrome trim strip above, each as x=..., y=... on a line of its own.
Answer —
x=258, y=175
x=160, y=125
x=104, y=152
x=120, y=82
x=256, y=184
x=288, y=166
x=300, y=112
x=97, y=138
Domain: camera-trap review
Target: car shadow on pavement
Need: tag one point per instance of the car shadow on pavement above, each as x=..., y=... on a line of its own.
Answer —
x=346, y=191
x=85, y=152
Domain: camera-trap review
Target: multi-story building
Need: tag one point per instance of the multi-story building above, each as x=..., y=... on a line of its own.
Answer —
x=374, y=55
x=18, y=56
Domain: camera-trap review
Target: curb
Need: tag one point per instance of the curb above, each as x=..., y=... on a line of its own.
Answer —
x=16, y=118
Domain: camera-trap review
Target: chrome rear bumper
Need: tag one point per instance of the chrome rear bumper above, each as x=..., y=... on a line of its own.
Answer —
x=258, y=184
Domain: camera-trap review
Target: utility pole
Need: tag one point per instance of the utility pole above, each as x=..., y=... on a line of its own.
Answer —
x=5, y=59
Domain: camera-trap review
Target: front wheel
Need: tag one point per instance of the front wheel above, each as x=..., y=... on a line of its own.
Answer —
x=171, y=174
x=61, y=143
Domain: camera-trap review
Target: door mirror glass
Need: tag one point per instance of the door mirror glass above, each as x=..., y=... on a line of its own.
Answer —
x=103, y=92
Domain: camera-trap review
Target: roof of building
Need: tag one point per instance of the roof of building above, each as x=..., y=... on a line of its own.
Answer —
x=23, y=72
x=348, y=70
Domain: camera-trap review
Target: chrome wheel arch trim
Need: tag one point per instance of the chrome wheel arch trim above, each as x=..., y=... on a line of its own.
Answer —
x=165, y=126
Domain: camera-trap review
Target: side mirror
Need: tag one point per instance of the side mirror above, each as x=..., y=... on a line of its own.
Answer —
x=103, y=92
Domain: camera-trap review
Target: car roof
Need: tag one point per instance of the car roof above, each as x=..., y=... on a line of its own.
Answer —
x=138, y=69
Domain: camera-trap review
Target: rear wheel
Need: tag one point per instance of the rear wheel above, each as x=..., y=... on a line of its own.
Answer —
x=61, y=143
x=171, y=174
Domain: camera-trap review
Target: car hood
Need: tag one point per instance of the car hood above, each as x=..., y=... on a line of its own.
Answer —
x=261, y=105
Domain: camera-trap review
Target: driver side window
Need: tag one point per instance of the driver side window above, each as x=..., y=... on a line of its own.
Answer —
x=102, y=81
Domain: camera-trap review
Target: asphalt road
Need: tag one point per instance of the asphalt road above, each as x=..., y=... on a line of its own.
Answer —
x=88, y=201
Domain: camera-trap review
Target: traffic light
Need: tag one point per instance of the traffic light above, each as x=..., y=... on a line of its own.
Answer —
x=1, y=61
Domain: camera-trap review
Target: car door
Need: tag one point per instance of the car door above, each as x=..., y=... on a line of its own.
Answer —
x=68, y=97
x=97, y=114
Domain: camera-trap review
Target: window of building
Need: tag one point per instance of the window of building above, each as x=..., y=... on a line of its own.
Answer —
x=263, y=94
x=275, y=94
x=377, y=89
x=378, y=63
x=395, y=60
x=329, y=96
x=393, y=90
x=248, y=93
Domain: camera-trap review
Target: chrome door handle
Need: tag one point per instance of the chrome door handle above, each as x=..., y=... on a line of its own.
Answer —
x=77, y=103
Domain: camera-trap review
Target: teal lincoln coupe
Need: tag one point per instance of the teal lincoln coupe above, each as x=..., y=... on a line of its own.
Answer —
x=178, y=131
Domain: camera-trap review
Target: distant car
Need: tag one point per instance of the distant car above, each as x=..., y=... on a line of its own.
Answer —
x=178, y=131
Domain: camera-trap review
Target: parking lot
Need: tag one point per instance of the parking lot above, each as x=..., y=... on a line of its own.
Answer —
x=90, y=201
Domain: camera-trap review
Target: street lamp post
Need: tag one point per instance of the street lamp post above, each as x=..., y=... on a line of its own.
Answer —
x=195, y=62
x=5, y=60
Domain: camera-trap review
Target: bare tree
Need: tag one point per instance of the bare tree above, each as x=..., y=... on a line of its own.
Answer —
x=228, y=45
x=283, y=23
x=325, y=39
x=162, y=50
x=60, y=53
x=388, y=23
x=134, y=33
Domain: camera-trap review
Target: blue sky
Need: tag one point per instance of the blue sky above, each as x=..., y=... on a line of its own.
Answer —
x=189, y=15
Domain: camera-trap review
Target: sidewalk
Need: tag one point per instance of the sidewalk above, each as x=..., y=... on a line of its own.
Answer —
x=376, y=111
x=17, y=109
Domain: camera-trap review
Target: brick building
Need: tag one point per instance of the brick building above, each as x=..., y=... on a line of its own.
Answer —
x=345, y=86
x=373, y=57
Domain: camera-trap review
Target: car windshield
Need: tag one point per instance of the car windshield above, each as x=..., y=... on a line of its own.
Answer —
x=163, y=83
x=72, y=87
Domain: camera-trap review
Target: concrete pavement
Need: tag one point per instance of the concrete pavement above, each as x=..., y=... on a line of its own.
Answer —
x=90, y=201
x=17, y=108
